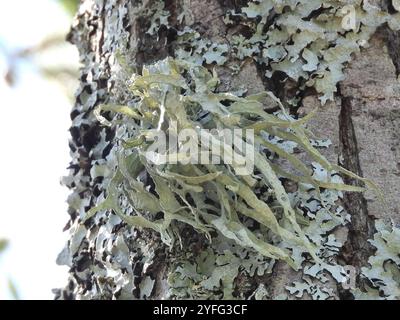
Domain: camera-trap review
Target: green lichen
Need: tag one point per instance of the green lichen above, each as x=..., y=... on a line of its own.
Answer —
x=173, y=91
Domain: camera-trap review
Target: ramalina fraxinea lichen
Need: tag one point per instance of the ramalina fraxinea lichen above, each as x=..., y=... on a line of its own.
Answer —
x=211, y=196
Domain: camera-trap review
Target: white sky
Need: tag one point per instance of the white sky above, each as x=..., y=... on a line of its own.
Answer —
x=34, y=122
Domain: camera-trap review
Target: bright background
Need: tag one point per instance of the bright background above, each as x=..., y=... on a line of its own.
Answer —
x=34, y=153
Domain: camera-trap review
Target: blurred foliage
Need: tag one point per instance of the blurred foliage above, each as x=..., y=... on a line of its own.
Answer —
x=65, y=76
x=11, y=286
x=13, y=290
x=3, y=244
x=71, y=6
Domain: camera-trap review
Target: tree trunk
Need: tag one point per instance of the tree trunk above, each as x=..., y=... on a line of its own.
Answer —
x=110, y=259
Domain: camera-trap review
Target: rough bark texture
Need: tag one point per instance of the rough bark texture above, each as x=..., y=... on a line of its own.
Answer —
x=363, y=123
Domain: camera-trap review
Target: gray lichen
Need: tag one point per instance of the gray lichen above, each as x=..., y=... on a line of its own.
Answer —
x=383, y=273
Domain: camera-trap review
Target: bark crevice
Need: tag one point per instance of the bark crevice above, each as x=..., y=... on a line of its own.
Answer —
x=357, y=249
x=392, y=39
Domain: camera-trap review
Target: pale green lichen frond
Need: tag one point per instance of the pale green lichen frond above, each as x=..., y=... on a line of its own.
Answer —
x=173, y=95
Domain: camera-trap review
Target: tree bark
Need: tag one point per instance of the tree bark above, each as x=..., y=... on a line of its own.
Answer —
x=362, y=122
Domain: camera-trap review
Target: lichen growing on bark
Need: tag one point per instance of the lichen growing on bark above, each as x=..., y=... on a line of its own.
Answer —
x=173, y=95
x=160, y=104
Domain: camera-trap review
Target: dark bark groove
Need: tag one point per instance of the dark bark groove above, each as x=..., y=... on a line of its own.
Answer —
x=357, y=249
